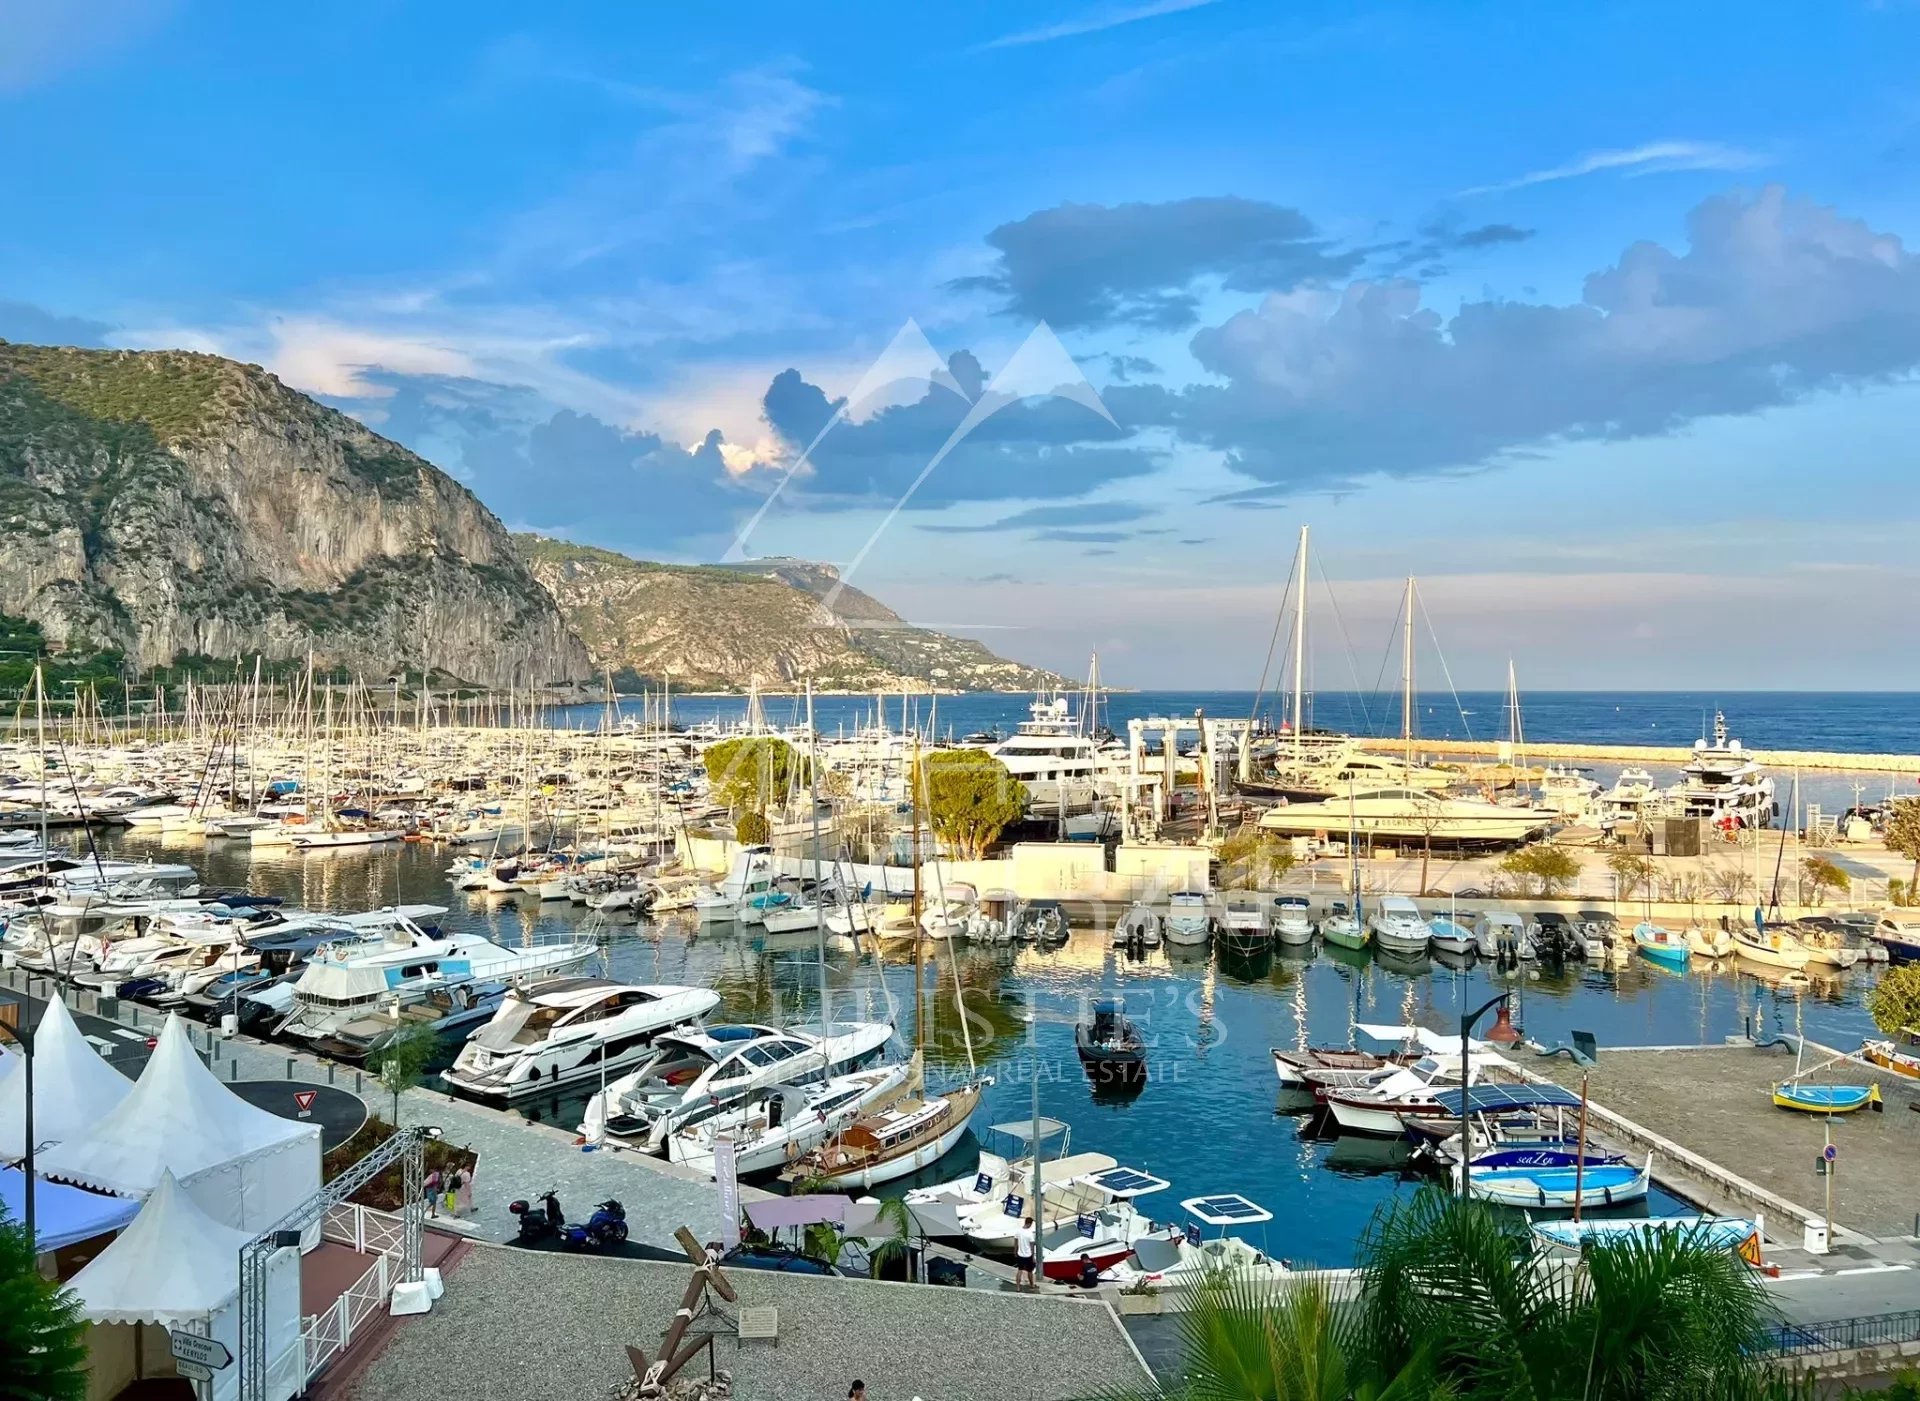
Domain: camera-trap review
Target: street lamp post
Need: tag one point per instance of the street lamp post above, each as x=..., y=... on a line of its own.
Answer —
x=24, y=1041
x=1467, y=1019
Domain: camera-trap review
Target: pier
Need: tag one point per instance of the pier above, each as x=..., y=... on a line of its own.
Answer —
x=1780, y=760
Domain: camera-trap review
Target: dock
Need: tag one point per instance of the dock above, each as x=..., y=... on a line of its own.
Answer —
x=1780, y=760
x=1707, y=1114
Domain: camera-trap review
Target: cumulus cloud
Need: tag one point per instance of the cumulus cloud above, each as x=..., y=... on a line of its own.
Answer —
x=1086, y=265
x=27, y=324
x=1774, y=298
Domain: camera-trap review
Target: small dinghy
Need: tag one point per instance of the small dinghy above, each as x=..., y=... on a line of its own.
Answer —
x=1825, y=1099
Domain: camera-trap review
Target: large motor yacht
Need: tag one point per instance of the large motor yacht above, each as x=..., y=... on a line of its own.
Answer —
x=1408, y=814
x=562, y=1030
x=1061, y=765
x=1723, y=782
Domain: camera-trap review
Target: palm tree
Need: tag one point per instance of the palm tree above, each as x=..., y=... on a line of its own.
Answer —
x=42, y=1336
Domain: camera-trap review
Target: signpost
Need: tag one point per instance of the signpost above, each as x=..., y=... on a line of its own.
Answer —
x=1830, y=1159
x=199, y=1351
x=303, y=1101
x=727, y=1178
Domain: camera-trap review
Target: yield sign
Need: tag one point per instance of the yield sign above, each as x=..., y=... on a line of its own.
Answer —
x=303, y=1101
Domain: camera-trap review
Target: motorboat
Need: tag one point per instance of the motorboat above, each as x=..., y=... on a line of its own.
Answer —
x=1898, y=932
x=430, y=1004
x=1503, y=937
x=973, y=1206
x=774, y=1125
x=564, y=1030
x=1398, y=926
x=1405, y=814
x=1827, y=950
x=693, y=1073
x=1041, y=922
x=1633, y=799
x=1244, y=929
x=1094, y=1224
x=1292, y=921
x=1343, y=927
x=1454, y=933
x=1109, y=1045
x=900, y=1136
x=1661, y=946
x=1723, y=783
x=1189, y=920
x=1410, y=1091
x=1139, y=927
x=1164, y=1262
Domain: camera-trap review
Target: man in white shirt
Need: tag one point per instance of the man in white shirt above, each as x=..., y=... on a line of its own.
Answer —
x=1023, y=1255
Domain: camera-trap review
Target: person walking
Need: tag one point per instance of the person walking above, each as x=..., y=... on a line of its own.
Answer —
x=432, y=1190
x=1023, y=1255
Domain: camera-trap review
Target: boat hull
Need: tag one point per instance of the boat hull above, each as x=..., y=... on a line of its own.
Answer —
x=1824, y=1099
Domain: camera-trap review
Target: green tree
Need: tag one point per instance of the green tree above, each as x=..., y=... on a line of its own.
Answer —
x=753, y=773
x=1631, y=870
x=1894, y=1002
x=403, y=1060
x=970, y=798
x=1253, y=857
x=752, y=829
x=1823, y=875
x=43, y=1342
x=1903, y=837
x=1549, y=867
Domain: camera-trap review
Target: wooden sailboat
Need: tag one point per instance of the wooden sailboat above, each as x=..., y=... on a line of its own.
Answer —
x=1795, y=1093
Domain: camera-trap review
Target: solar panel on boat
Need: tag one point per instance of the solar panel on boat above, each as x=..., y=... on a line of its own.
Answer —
x=1125, y=1182
x=1491, y=1099
x=1227, y=1209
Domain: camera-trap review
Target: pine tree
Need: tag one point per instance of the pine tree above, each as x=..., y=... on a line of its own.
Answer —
x=43, y=1350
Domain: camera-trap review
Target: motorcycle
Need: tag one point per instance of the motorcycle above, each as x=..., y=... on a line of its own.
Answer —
x=539, y=1220
x=607, y=1226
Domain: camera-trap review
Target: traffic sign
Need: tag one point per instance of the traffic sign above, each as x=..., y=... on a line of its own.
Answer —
x=303, y=1101
x=193, y=1371
x=200, y=1352
x=1830, y=1152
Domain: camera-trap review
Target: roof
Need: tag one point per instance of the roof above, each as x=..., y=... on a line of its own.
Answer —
x=62, y=1215
x=72, y=1085
x=174, y=1264
x=1495, y=1099
x=1023, y=1129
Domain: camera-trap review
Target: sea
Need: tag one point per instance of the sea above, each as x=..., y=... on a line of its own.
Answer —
x=1210, y=1117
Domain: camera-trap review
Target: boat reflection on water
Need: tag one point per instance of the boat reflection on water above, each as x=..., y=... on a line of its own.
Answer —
x=1357, y=1155
x=1244, y=966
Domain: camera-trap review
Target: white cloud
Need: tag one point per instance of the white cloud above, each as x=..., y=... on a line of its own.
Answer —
x=42, y=40
x=1650, y=159
x=1094, y=23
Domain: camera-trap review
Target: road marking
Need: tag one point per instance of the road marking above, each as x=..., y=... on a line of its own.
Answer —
x=1799, y=1274
x=101, y=1042
x=1872, y=1269
x=128, y=1034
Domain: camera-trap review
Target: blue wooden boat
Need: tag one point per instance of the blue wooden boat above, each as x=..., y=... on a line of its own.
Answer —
x=1825, y=1099
x=1661, y=946
x=1718, y=1232
x=1557, y=1188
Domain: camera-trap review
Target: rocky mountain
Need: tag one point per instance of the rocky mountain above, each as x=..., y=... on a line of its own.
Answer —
x=170, y=504
x=774, y=622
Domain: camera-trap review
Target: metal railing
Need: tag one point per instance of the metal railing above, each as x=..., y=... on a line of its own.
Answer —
x=1846, y=1334
x=327, y=1334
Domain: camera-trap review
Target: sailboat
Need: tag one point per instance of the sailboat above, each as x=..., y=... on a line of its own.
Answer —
x=1796, y=1094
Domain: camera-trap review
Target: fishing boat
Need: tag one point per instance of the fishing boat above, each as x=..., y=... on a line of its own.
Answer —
x=1292, y=922
x=1163, y=1262
x=1109, y=1044
x=1451, y=934
x=1557, y=1187
x=1824, y=1099
x=1398, y=927
x=1888, y=1056
x=1188, y=919
x=1661, y=946
x=1295, y=1067
x=1714, y=1232
x=900, y=1137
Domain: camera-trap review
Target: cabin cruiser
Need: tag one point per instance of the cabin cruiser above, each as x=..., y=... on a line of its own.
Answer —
x=345, y=981
x=1061, y=766
x=1188, y=919
x=1411, y=1091
x=1243, y=928
x=1634, y=799
x=1292, y=921
x=1566, y=792
x=562, y=1030
x=690, y=1075
x=1723, y=783
x=772, y=1126
x=1398, y=927
x=436, y=1005
x=1405, y=814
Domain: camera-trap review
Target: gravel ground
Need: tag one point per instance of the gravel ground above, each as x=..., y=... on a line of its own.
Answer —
x=519, y=1326
x=1717, y=1101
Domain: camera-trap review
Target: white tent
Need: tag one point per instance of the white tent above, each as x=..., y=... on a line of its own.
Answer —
x=177, y=1268
x=245, y=1167
x=72, y=1086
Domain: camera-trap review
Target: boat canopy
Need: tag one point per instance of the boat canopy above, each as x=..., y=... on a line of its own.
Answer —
x=1024, y=1129
x=1226, y=1209
x=1123, y=1183
x=1499, y=1099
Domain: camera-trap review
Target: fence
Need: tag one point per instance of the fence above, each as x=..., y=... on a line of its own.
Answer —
x=1847, y=1334
x=326, y=1335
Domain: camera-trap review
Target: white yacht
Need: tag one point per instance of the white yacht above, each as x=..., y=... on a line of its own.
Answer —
x=1189, y=920
x=1061, y=765
x=1722, y=782
x=1567, y=792
x=1634, y=798
x=1292, y=920
x=690, y=1075
x=1408, y=814
x=1398, y=926
x=562, y=1030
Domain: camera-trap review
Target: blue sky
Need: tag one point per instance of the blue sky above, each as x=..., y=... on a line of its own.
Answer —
x=1600, y=320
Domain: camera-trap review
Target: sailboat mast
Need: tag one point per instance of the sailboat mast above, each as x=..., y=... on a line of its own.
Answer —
x=1300, y=646
x=919, y=942
x=819, y=909
x=1406, y=673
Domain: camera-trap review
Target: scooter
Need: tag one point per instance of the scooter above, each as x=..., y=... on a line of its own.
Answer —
x=607, y=1226
x=541, y=1221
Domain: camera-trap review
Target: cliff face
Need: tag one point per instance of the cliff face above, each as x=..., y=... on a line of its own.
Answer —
x=774, y=623
x=167, y=503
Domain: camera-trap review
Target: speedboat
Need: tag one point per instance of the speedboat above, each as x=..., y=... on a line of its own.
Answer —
x=1292, y=922
x=564, y=1030
x=1188, y=1259
x=1662, y=946
x=692, y=1074
x=1503, y=937
x=1188, y=919
x=1109, y=1045
x=1243, y=928
x=1139, y=927
x=1898, y=931
x=1398, y=927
